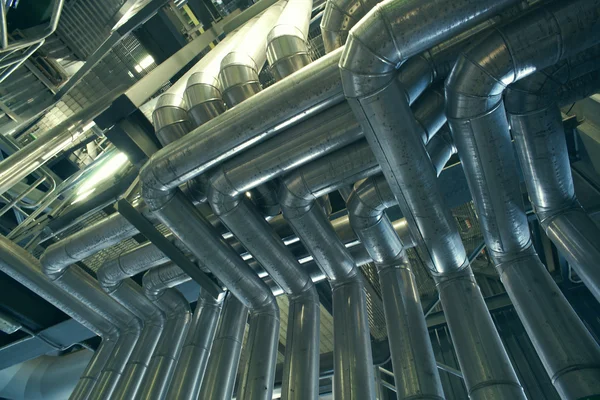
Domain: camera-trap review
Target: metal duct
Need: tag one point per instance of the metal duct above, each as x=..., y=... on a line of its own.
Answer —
x=301, y=372
x=274, y=109
x=535, y=119
x=130, y=295
x=481, y=131
x=182, y=108
x=287, y=43
x=415, y=368
x=240, y=68
x=532, y=105
x=339, y=17
x=196, y=348
x=21, y=266
x=179, y=215
x=162, y=364
x=44, y=378
x=219, y=381
x=394, y=31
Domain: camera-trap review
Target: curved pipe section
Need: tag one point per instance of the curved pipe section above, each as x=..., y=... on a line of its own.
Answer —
x=287, y=43
x=240, y=68
x=192, y=363
x=21, y=266
x=184, y=220
x=339, y=17
x=390, y=34
x=478, y=121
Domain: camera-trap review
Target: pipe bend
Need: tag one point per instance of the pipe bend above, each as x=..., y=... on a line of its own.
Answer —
x=295, y=196
x=339, y=17
x=222, y=195
x=365, y=205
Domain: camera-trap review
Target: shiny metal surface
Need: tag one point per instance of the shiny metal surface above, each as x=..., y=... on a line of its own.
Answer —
x=164, y=359
x=287, y=47
x=353, y=360
x=481, y=130
x=339, y=17
x=315, y=88
x=486, y=369
x=196, y=348
x=184, y=220
x=219, y=381
x=170, y=118
x=89, y=377
x=394, y=32
x=240, y=68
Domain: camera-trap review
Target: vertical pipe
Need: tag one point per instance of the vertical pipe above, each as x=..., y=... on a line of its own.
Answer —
x=219, y=381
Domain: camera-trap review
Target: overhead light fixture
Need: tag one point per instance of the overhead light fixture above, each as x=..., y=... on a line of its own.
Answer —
x=145, y=63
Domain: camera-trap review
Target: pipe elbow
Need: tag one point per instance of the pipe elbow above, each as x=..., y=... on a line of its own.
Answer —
x=477, y=81
x=56, y=259
x=365, y=66
x=269, y=307
x=339, y=17
x=239, y=78
x=170, y=118
x=295, y=196
x=203, y=97
x=222, y=196
x=365, y=205
x=110, y=275
x=287, y=50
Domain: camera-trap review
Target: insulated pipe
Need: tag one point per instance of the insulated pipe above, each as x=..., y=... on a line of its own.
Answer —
x=415, y=369
x=130, y=295
x=219, y=381
x=21, y=266
x=240, y=68
x=394, y=31
x=196, y=348
x=184, y=220
x=478, y=121
x=81, y=285
x=162, y=364
x=194, y=98
x=287, y=43
x=534, y=115
x=339, y=17
x=301, y=371
x=313, y=89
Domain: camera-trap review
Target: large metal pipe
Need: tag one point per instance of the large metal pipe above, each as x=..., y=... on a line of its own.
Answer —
x=21, y=266
x=478, y=121
x=240, y=68
x=301, y=377
x=162, y=364
x=184, y=220
x=73, y=280
x=196, y=97
x=196, y=348
x=130, y=296
x=287, y=43
x=219, y=382
x=535, y=118
x=394, y=31
x=339, y=17
x=415, y=369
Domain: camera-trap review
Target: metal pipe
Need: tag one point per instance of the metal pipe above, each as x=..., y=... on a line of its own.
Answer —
x=219, y=381
x=21, y=266
x=129, y=294
x=196, y=348
x=274, y=109
x=570, y=354
x=339, y=17
x=287, y=43
x=184, y=220
x=162, y=364
x=413, y=360
x=73, y=280
x=396, y=30
x=240, y=68
x=478, y=120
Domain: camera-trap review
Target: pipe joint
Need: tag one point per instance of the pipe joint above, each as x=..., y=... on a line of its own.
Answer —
x=239, y=78
x=204, y=98
x=170, y=118
x=448, y=278
x=339, y=17
x=222, y=194
x=295, y=196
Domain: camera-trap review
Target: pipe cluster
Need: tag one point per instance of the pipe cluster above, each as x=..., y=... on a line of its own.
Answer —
x=244, y=170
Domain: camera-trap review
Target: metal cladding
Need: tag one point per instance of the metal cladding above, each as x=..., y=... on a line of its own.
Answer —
x=369, y=120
